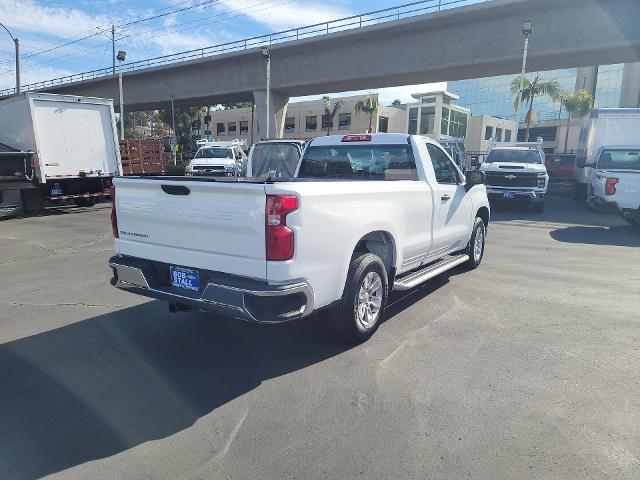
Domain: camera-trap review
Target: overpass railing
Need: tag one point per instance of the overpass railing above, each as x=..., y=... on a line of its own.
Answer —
x=325, y=28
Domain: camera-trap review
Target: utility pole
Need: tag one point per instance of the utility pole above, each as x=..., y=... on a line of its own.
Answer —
x=527, y=29
x=121, y=57
x=113, y=47
x=18, y=88
x=17, y=46
x=267, y=56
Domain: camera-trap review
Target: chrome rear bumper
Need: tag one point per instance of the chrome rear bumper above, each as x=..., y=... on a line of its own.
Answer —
x=227, y=295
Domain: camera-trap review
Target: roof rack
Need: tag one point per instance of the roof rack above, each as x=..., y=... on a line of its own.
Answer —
x=537, y=143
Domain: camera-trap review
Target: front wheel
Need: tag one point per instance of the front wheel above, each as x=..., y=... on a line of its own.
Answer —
x=357, y=315
x=475, y=248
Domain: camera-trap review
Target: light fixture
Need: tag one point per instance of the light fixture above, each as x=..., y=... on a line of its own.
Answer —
x=121, y=55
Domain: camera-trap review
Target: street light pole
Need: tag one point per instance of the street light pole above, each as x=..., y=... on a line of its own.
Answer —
x=17, y=46
x=267, y=56
x=527, y=29
x=121, y=57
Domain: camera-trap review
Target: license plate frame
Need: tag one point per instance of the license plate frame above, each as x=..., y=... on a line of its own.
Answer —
x=185, y=278
x=56, y=191
x=509, y=195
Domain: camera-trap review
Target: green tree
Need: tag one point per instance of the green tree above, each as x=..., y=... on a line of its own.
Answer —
x=532, y=89
x=578, y=103
x=396, y=103
x=369, y=106
x=184, y=119
x=330, y=110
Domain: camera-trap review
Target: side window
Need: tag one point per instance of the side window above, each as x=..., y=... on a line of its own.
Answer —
x=443, y=167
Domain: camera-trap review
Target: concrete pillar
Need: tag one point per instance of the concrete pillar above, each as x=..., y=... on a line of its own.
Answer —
x=587, y=78
x=630, y=91
x=278, y=111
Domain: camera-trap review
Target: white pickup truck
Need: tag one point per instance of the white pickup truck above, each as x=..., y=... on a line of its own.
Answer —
x=515, y=172
x=365, y=214
x=614, y=182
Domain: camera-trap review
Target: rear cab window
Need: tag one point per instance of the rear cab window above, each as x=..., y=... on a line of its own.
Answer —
x=359, y=162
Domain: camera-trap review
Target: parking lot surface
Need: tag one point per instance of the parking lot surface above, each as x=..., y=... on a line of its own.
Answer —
x=528, y=367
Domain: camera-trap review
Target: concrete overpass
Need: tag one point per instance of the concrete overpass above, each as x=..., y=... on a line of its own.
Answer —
x=467, y=42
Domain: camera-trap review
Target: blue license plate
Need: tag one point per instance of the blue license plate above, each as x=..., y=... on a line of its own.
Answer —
x=511, y=195
x=184, y=278
x=56, y=191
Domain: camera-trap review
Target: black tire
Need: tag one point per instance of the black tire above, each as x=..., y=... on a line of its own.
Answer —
x=474, y=259
x=344, y=319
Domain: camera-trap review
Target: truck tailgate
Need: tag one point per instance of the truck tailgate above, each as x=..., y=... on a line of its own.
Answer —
x=205, y=224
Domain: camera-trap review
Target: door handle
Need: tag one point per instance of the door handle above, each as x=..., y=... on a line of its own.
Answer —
x=445, y=198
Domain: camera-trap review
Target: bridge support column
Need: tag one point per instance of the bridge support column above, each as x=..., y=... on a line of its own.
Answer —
x=277, y=112
x=630, y=91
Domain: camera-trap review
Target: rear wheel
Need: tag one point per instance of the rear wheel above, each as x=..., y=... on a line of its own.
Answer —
x=475, y=248
x=357, y=315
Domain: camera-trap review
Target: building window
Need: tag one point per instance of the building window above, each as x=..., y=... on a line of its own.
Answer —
x=220, y=129
x=413, y=121
x=498, y=134
x=548, y=134
x=428, y=100
x=383, y=124
x=344, y=121
x=444, y=123
x=289, y=124
x=507, y=135
x=488, y=132
x=326, y=122
x=427, y=120
x=312, y=123
x=232, y=128
x=244, y=127
x=458, y=124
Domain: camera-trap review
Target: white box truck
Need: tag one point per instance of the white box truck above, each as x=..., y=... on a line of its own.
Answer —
x=602, y=128
x=72, y=140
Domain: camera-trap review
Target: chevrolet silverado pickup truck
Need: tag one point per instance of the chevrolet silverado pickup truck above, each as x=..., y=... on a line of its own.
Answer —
x=363, y=215
x=614, y=182
x=218, y=159
x=515, y=172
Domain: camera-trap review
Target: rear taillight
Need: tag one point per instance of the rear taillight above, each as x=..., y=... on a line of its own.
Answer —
x=114, y=217
x=610, y=186
x=279, y=237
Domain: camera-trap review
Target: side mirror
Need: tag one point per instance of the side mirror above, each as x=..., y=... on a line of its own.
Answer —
x=474, y=178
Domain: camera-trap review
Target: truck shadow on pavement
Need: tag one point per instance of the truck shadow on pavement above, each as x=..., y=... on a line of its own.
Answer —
x=101, y=386
x=621, y=236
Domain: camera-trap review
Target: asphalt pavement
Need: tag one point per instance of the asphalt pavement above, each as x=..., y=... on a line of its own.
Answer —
x=528, y=367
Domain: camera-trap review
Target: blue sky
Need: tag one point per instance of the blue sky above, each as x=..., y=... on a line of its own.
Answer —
x=44, y=25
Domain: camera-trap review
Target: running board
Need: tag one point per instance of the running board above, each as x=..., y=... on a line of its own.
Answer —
x=427, y=273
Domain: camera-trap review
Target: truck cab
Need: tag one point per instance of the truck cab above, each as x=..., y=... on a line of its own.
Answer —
x=221, y=159
x=515, y=171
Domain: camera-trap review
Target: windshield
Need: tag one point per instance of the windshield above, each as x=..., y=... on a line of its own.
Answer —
x=279, y=158
x=361, y=162
x=513, y=156
x=215, y=152
x=624, y=159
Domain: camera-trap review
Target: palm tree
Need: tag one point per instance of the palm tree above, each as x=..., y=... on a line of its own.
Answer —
x=532, y=89
x=396, y=103
x=579, y=102
x=330, y=111
x=369, y=106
